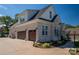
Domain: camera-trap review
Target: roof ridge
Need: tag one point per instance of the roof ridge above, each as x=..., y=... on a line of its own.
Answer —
x=29, y=10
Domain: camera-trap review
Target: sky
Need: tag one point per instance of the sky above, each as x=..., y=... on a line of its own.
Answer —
x=69, y=13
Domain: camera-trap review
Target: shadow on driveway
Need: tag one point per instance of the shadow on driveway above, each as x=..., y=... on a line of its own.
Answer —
x=69, y=44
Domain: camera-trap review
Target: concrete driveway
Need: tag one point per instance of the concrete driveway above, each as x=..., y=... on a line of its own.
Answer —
x=10, y=46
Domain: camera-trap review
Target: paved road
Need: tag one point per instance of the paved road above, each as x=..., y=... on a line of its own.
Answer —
x=20, y=47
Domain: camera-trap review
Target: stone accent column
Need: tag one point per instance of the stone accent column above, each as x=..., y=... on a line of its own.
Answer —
x=16, y=34
x=37, y=31
x=37, y=34
x=27, y=35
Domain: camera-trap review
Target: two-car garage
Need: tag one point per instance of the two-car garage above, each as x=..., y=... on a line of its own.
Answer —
x=23, y=35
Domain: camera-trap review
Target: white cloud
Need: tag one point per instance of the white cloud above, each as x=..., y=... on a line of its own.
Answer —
x=3, y=7
x=1, y=15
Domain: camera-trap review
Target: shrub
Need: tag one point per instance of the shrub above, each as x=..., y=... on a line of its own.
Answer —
x=59, y=42
x=37, y=44
x=46, y=45
x=51, y=43
x=42, y=45
x=73, y=51
x=77, y=44
x=77, y=49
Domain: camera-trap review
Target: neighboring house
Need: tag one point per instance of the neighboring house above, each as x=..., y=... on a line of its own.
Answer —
x=37, y=25
x=73, y=33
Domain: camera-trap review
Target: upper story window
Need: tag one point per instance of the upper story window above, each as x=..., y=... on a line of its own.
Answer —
x=44, y=30
x=50, y=13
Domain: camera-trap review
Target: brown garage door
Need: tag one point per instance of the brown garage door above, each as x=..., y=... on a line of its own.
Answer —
x=21, y=35
x=32, y=35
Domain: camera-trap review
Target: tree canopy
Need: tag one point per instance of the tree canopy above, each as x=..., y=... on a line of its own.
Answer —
x=8, y=22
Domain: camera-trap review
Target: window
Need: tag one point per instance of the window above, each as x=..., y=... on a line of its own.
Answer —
x=44, y=30
x=50, y=13
x=56, y=32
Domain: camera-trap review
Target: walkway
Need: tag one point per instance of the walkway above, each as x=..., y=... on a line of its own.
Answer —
x=69, y=44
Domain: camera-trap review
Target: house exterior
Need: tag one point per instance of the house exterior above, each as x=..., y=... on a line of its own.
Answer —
x=37, y=25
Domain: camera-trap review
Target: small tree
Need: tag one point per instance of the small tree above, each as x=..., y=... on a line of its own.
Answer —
x=8, y=21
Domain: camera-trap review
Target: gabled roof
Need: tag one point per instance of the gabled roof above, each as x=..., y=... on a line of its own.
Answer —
x=39, y=13
x=42, y=11
x=29, y=10
x=34, y=15
x=50, y=20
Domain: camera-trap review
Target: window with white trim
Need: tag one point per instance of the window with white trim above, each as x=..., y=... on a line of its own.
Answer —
x=44, y=30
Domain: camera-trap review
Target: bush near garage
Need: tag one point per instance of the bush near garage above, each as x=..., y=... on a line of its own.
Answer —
x=75, y=51
x=46, y=45
x=49, y=44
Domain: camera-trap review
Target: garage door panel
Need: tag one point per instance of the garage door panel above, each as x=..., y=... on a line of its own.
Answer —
x=21, y=35
x=32, y=35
